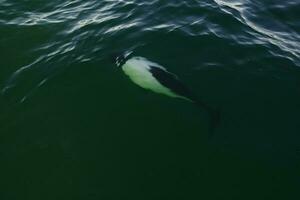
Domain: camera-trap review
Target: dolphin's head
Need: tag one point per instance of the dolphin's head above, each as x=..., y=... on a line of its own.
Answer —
x=120, y=58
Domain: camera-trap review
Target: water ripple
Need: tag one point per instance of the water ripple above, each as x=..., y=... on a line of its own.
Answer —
x=83, y=32
x=264, y=27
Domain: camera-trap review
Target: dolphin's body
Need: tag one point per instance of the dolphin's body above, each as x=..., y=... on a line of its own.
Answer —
x=154, y=77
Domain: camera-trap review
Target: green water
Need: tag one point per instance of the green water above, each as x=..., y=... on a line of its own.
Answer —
x=73, y=126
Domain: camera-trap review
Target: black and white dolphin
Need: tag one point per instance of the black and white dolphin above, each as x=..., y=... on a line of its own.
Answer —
x=154, y=77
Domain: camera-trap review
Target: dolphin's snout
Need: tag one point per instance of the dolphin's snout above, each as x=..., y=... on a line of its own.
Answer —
x=120, y=58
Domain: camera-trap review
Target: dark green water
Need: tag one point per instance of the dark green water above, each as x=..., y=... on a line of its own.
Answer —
x=73, y=126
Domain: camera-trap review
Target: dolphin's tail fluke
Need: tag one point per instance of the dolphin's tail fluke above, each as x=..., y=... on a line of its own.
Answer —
x=214, y=114
x=215, y=119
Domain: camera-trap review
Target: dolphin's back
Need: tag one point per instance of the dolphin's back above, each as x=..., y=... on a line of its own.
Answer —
x=170, y=81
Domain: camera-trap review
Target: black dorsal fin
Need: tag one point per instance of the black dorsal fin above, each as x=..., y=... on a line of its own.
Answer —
x=170, y=81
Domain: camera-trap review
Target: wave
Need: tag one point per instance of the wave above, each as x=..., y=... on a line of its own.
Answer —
x=265, y=27
x=86, y=32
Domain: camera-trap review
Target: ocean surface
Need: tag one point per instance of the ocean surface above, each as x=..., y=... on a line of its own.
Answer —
x=73, y=125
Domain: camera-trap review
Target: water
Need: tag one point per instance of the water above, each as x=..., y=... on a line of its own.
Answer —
x=73, y=126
